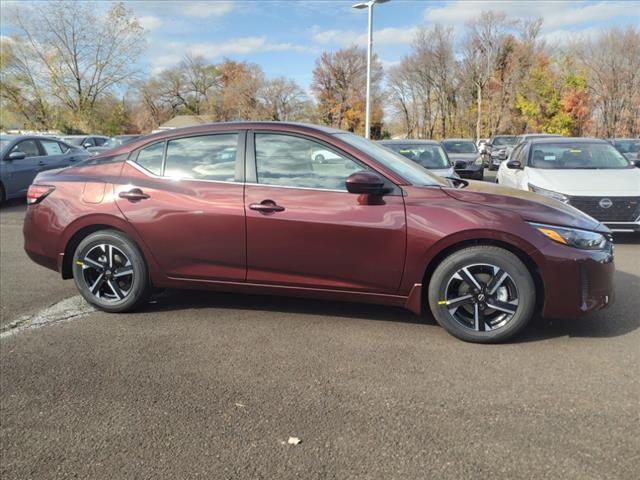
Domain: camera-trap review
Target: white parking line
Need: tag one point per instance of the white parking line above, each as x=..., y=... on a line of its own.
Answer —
x=66, y=310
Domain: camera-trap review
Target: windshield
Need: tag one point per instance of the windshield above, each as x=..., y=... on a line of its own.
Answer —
x=395, y=162
x=73, y=140
x=4, y=143
x=628, y=146
x=429, y=156
x=459, y=146
x=505, y=140
x=576, y=156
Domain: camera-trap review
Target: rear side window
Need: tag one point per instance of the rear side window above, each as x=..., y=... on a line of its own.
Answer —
x=150, y=158
x=99, y=141
x=51, y=147
x=206, y=157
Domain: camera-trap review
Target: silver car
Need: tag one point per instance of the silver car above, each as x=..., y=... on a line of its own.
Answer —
x=428, y=153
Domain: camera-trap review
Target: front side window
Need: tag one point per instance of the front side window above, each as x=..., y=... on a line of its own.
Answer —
x=206, y=157
x=99, y=141
x=576, y=156
x=150, y=158
x=28, y=147
x=51, y=147
x=290, y=161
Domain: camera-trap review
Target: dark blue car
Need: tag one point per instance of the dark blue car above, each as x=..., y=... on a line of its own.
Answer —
x=23, y=157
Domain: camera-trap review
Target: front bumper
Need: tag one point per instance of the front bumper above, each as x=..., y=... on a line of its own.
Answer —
x=463, y=168
x=576, y=282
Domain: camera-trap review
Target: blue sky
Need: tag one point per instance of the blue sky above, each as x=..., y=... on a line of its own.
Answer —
x=286, y=36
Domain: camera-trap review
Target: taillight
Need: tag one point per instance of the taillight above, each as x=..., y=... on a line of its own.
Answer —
x=37, y=193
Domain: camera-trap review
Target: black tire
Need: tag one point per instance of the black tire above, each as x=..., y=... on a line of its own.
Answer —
x=477, y=259
x=1, y=194
x=479, y=175
x=124, y=284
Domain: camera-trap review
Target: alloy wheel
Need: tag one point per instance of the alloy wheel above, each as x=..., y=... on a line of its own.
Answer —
x=107, y=272
x=481, y=297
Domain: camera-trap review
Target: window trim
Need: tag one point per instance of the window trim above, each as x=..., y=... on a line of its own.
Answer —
x=239, y=162
x=251, y=169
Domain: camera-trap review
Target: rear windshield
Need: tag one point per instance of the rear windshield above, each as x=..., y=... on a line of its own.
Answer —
x=74, y=140
x=505, y=140
x=427, y=155
x=576, y=156
x=459, y=146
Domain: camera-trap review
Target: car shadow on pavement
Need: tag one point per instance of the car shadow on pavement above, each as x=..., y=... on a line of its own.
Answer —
x=620, y=319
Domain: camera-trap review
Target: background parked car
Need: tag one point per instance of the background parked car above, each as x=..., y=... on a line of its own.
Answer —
x=23, y=157
x=499, y=148
x=465, y=157
x=588, y=173
x=629, y=147
x=85, y=141
x=531, y=136
x=112, y=143
x=428, y=153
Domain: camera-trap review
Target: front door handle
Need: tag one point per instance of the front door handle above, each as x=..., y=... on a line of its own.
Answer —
x=133, y=195
x=266, y=206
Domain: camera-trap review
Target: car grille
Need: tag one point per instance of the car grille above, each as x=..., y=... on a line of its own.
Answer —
x=622, y=209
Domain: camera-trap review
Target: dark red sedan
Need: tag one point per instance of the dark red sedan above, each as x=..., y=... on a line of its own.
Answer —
x=248, y=207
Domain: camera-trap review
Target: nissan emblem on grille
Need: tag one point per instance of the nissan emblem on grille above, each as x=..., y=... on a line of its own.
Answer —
x=605, y=203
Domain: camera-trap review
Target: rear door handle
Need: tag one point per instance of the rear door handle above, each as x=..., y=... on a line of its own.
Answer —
x=266, y=206
x=133, y=195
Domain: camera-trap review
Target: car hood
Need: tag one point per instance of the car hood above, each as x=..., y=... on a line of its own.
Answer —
x=530, y=206
x=465, y=157
x=444, y=172
x=590, y=183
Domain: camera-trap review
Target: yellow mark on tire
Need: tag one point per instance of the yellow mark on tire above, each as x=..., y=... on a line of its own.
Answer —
x=442, y=302
x=78, y=262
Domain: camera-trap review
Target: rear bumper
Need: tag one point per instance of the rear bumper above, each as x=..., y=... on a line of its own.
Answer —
x=38, y=243
x=576, y=282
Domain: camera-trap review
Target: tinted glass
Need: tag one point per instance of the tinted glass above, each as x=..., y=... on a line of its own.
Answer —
x=505, y=140
x=628, y=146
x=51, y=147
x=207, y=157
x=459, y=146
x=410, y=171
x=28, y=147
x=429, y=156
x=578, y=156
x=150, y=158
x=299, y=162
x=99, y=141
x=77, y=141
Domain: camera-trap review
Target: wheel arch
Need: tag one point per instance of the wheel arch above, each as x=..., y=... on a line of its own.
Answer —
x=85, y=226
x=522, y=255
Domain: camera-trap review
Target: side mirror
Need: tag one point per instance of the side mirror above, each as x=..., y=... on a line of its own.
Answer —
x=17, y=155
x=514, y=165
x=87, y=145
x=367, y=183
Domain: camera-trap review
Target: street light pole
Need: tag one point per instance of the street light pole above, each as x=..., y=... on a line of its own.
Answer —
x=369, y=6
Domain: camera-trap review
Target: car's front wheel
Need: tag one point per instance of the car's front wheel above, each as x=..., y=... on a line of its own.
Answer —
x=482, y=294
x=110, y=271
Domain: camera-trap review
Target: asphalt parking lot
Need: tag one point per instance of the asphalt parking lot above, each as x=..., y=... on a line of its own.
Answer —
x=206, y=385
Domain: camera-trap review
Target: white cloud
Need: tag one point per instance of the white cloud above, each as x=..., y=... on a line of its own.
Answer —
x=205, y=9
x=173, y=52
x=556, y=14
x=563, y=37
x=149, y=22
x=384, y=36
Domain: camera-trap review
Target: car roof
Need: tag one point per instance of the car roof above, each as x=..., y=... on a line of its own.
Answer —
x=458, y=140
x=409, y=141
x=572, y=140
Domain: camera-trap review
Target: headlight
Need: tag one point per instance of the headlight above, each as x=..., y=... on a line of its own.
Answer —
x=478, y=161
x=582, y=239
x=548, y=193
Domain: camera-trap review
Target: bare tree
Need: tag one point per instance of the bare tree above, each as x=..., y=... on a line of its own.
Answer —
x=283, y=100
x=83, y=55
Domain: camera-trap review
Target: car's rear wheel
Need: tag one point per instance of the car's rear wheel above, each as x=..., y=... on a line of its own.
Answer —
x=482, y=294
x=110, y=271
